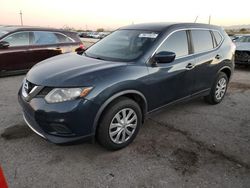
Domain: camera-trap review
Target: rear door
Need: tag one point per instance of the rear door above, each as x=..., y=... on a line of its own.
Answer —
x=16, y=56
x=44, y=45
x=66, y=43
x=175, y=80
x=207, y=57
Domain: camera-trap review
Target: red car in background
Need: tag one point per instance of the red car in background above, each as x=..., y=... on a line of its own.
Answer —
x=23, y=47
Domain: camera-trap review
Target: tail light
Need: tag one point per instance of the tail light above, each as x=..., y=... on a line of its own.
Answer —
x=81, y=46
x=80, y=49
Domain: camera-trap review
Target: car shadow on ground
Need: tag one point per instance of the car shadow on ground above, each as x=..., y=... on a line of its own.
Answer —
x=242, y=67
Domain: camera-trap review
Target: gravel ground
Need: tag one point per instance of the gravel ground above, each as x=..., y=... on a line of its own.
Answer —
x=187, y=145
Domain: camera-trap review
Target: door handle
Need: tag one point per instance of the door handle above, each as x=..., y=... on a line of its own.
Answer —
x=218, y=56
x=190, y=66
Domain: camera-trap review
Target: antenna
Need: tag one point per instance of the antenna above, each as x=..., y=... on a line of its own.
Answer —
x=196, y=19
x=21, y=17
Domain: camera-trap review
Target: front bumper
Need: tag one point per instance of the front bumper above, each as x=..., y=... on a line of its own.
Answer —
x=60, y=122
x=242, y=57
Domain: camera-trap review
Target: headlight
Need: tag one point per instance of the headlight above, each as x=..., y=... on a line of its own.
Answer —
x=66, y=94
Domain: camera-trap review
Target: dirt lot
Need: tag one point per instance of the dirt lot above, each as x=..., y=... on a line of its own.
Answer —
x=187, y=145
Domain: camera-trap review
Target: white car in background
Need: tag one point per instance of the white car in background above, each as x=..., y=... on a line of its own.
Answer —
x=242, y=53
x=94, y=35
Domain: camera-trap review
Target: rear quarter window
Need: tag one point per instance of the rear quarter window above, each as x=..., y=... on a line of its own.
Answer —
x=62, y=38
x=218, y=37
x=202, y=40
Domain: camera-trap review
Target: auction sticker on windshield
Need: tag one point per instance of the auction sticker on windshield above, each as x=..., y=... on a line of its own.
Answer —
x=148, y=35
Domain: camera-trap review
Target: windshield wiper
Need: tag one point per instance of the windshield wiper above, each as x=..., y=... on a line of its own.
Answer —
x=94, y=57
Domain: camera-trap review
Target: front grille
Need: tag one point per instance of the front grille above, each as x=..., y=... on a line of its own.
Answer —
x=243, y=56
x=30, y=90
x=29, y=86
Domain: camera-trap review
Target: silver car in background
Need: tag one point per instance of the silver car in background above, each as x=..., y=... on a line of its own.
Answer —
x=242, y=53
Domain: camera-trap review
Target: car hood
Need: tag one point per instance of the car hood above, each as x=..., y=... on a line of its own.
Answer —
x=70, y=70
x=243, y=46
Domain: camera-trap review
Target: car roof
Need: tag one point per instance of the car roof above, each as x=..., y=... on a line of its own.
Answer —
x=163, y=26
x=10, y=28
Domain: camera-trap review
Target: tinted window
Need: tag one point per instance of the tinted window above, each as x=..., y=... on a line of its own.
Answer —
x=62, y=38
x=18, y=39
x=177, y=43
x=218, y=37
x=122, y=45
x=44, y=38
x=202, y=40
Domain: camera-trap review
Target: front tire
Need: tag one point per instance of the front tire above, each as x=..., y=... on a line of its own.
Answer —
x=119, y=124
x=218, y=90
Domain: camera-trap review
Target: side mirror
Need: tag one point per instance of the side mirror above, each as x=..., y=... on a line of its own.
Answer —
x=164, y=57
x=4, y=44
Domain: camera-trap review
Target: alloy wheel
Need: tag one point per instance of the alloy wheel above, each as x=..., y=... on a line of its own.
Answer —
x=220, y=88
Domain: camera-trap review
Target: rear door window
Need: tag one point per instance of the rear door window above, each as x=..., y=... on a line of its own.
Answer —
x=177, y=43
x=202, y=40
x=18, y=39
x=44, y=38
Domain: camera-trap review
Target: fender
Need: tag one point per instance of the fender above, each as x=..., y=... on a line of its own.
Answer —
x=113, y=97
x=228, y=68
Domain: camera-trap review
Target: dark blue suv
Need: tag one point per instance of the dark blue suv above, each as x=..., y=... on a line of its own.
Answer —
x=107, y=91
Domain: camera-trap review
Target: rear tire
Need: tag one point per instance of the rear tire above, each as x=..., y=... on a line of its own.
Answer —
x=218, y=89
x=119, y=124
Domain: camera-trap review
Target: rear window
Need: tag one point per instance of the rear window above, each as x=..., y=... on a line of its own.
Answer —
x=218, y=37
x=202, y=40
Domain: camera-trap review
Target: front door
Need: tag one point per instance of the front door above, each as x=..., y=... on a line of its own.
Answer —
x=172, y=81
x=15, y=57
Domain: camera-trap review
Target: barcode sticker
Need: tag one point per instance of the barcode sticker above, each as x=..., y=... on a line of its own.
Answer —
x=148, y=35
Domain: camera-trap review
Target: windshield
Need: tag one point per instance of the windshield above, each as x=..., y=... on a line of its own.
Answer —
x=243, y=39
x=2, y=32
x=122, y=45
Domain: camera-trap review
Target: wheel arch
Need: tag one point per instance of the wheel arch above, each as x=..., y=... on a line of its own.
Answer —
x=227, y=70
x=135, y=95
